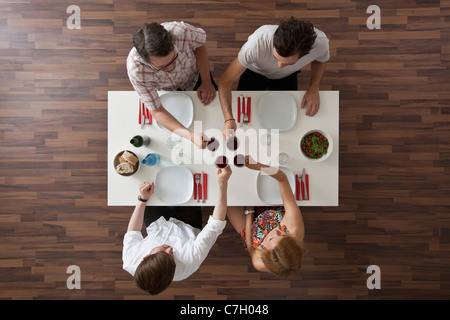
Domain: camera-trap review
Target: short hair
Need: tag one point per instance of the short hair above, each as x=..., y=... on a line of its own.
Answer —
x=152, y=39
x=155, y=273
x=294, y=37
x=285, y=260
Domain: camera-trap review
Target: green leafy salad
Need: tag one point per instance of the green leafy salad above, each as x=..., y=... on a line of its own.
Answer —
x=314, y=145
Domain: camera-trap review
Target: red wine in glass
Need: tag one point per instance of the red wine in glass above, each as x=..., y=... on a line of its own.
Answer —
x=232, y=143
x=212, y=144
x=221, y=162
x=239, y=160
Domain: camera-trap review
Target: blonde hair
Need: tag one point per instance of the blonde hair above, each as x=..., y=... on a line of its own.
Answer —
x=286, y=259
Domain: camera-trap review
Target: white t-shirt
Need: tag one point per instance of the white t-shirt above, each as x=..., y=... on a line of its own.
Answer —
x=257, y=53
x=190, y=245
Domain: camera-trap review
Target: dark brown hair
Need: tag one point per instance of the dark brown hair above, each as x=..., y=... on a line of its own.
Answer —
x=155, y=273
x=286, y=259
x=294, y=37
x=152, y=39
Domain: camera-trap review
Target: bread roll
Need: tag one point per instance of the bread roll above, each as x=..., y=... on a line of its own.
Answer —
x=129, y=157
x=125, y=168
x=122, y=160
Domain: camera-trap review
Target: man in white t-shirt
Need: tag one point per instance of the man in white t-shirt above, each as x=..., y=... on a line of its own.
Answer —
x=271, y=60
x=173, y=250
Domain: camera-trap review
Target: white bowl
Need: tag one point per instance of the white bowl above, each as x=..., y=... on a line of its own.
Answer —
x=329, y=149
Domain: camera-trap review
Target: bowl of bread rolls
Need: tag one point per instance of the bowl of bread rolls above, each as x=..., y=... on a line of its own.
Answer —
x=126, y=163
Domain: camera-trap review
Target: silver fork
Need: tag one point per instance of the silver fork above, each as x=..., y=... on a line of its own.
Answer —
x=244, y=110
x=197, y=181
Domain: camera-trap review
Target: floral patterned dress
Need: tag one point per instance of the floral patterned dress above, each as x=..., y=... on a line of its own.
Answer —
x=266, y=220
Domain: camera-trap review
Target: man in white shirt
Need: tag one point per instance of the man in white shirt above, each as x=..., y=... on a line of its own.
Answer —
x=172, y=250
x=271, y=59
x=170, y=56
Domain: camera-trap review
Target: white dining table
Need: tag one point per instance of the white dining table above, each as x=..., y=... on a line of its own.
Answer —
x=123, y=112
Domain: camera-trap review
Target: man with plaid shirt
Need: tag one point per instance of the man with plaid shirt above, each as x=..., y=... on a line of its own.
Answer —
x=170, y=56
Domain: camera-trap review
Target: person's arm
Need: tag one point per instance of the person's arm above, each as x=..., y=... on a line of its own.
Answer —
x=216, y=222
x=232, y=74
x=317, y=70
x=312, y=97
x=206, y=92
x=167, y=120
x=137, y=218
x=150, y=97
x=293, y=217
x=220, y=210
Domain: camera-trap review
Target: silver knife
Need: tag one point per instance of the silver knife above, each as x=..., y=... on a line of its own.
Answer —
x=203, y=186
x=143, y=115
x=304, y=183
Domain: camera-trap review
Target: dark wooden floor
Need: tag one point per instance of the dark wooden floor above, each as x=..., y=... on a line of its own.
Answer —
x=394, y=150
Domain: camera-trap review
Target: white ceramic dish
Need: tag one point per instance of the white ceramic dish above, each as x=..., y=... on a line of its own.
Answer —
x=174, y=185
x=180, y=106
x=268, y=189
x=277, y=111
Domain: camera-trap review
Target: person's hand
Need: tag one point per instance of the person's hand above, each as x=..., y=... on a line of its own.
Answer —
x=199, y=139
x=223, y=175
x=206, y=93
x=146, y=190
x=228, y=129
x=252, y=163
x=312, y=100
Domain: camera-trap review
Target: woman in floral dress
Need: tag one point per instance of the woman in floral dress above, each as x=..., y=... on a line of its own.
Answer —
x=274, y=239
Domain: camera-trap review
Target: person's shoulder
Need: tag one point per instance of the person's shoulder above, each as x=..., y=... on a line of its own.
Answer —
x=321, y=36
x=133, y=55
x=131, y=238
x=267, y=30
x=261, y=40
x=257, y=261
x=179, y=26
x=170, y=24
x=134, y=61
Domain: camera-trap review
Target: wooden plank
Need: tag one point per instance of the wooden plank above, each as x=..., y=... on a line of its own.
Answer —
x=394, y=150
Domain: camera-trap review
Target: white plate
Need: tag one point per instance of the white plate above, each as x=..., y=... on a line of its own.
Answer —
x=180, y=106
x=277, y=111
x=268, y=189
x=174, y=185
